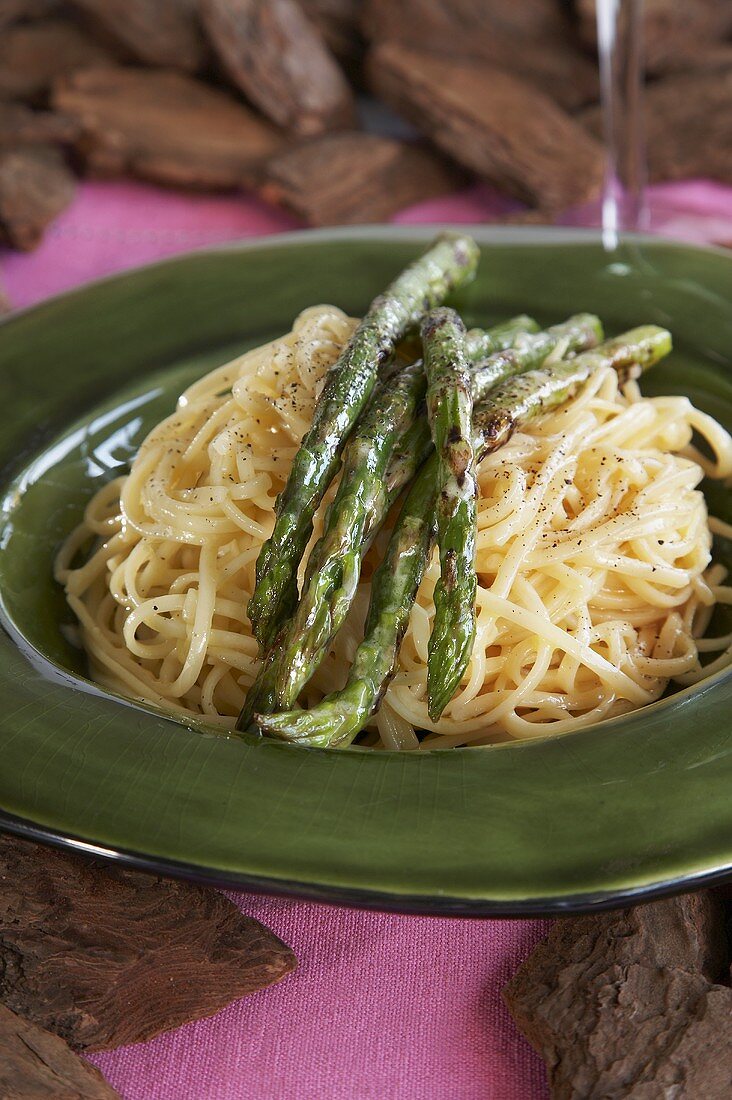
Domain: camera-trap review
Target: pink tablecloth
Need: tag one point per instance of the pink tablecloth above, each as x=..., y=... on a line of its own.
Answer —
x=381, y=1006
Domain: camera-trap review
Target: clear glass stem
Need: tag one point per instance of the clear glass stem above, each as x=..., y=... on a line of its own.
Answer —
x=620, y=49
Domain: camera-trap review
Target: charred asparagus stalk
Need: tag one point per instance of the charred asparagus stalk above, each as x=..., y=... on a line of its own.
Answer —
x=448, y=264
x=339, y=717
x=367, y=490
x=284, y=671
x=449, y=405
x=450, y=412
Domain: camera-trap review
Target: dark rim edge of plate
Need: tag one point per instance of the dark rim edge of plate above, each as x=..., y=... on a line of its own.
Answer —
x=379, y=901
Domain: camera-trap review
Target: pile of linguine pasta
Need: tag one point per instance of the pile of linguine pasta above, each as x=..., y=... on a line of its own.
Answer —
x=594, y=557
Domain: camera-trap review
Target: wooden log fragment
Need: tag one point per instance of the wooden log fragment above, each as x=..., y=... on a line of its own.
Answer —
x=534, y=39
x=36, y=1065
x=352, y=177
x=33, y=55
x=158, y=32
x=104, y=957
x=339, y=22
x=631, y=1003
x=35, y=186
x=491, y=122
x=19, y=125
x=675, y=34
x=163, y=126
x=277, y=57
x=688, y=124
x=13, y=11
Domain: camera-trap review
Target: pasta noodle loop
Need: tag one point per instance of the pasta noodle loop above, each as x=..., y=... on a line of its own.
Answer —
x=593, y=556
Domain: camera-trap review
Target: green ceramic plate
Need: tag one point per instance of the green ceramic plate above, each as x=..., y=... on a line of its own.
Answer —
x=633, y=806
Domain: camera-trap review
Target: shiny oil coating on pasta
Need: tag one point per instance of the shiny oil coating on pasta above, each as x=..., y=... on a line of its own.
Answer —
x=593, y=556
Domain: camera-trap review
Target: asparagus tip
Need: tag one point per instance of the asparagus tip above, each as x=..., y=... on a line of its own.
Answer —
x=299, y=727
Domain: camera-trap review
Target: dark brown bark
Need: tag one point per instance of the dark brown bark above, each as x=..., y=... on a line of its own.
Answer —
x=36, y=1065
x=339, y=22
x=688, y=122
x=352, y=177
x=498, y=126
x=12, y=11
x=277, y=57
x=159, y=32
x=163, y=126
x=675, y=33
x=19, y=125
x=104, y=957
x=32, y=56
x=533, y=39
x=35, y=186
x=631, y=1003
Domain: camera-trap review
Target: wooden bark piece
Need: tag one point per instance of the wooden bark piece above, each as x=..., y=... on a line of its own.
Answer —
x=104, y=957
x=674, y=33
x=339, y=23
x=272, y=51
x=158, y=32
x=35, y=186
x=163, y=126
x=626, y=1004
x=533, y=39
x=352, y=177
x=36, y=1065
x=19, y=125
x=688, y=123
x=501, y=127
x=33, y=55
x=11, y=11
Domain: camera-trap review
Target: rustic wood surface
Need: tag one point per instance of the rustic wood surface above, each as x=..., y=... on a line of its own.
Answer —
x=505, y=90
x=633, y=1003
x=688, y=125
x=163, y=126
x=277, y=57
x=675, y=33
x=317, y=181
x=35, y=186
x=12, y=11
x=104, y=957
x=503, y=129
x=339, y=22
x=19, y=125
x=157, y=32
x=534, y=39
x=36, y=1065
x=33, y=55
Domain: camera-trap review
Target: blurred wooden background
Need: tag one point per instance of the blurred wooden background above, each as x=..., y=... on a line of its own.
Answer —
x=280, y=96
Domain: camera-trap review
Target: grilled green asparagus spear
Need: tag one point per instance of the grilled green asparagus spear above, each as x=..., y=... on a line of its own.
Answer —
x=448, y=264
x=450, y=412
x=366, y=492
x=340, y=716
x=520, y=347
x=300, y=648
x=330, y=583
x=449, y=406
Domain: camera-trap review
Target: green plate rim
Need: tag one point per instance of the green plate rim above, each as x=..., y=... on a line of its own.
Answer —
x=442, y=903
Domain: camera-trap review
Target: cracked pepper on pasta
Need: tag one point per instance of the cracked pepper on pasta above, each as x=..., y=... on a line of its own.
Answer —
x=595, y=579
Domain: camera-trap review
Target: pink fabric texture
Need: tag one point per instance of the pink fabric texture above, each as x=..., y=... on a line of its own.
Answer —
x=382, y=1006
